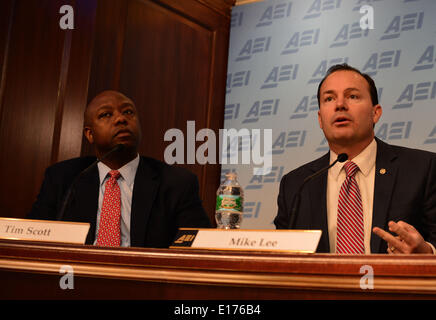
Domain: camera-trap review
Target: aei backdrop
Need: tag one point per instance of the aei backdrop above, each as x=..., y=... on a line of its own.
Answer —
x=280, y=50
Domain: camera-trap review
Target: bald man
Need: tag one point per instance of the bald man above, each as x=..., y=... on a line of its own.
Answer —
x=153, y=198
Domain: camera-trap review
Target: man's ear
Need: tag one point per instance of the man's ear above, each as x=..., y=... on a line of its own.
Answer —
x=88, y=134
x=377, y=113
x=319, y=119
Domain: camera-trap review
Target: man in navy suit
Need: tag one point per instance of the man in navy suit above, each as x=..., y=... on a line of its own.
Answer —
x=156, y=199
x=397, y=184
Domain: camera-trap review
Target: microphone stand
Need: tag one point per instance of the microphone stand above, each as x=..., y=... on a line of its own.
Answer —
x=297, y=199
x=60, y=216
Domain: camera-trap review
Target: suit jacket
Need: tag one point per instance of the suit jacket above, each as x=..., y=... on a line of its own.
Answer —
x=406, y=191
x=164, y=199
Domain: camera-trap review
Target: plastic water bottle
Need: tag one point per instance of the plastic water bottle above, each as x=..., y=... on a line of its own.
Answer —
x=229, y=203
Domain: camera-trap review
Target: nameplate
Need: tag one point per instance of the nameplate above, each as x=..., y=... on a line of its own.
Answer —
x=43, y=230
x=303, y=241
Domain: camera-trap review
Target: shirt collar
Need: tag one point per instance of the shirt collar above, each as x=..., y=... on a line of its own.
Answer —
x=128, y=171
x=365, y=160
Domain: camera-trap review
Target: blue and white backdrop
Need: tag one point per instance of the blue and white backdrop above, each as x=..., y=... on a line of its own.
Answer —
x=280, y=50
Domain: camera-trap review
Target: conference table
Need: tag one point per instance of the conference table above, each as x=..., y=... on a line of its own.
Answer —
x=36, y=270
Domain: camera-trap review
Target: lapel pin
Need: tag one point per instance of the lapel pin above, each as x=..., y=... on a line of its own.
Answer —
x=382, y=171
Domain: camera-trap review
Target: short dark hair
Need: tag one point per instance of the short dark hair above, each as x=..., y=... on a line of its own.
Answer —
x=344, y=66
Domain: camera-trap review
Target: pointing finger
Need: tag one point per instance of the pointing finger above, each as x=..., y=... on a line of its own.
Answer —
x=392, y=241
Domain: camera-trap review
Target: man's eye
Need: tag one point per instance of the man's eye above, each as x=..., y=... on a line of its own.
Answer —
x=104, y=115
x=128, y=111
x=353, y=96
x=328, y=99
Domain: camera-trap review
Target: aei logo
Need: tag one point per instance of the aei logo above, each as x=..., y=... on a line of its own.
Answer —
x=306, y=105
x=426, y=60
x=236, y=19
x=280, y=74
x=319, y=6
x=253, y=46
x=394, y=131
x=290, y=139
x=416, y=92
x=257, y=181
x=347, y=33
x=237, y=79
x=274, y=12
x=301, y=39
x=261, y=109
x=384, y=60
x=322, y=68
x=411, y=21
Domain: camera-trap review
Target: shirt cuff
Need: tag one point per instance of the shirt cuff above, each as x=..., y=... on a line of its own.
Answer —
x=432, y=248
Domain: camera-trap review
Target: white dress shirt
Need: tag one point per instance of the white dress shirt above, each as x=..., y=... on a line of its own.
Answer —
x=125, y=182
x=365, y=178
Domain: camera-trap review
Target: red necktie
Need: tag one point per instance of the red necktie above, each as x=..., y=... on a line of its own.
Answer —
x=350, y=214
x=109, y=227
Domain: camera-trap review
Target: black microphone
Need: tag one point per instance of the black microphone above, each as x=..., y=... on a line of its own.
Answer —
x=60, y=216
x=296, y=202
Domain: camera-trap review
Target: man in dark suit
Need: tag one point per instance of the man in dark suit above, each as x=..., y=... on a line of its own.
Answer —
x=397, y=185
x=155, y=199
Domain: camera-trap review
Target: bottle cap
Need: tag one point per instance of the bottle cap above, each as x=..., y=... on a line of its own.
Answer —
x=231, y=175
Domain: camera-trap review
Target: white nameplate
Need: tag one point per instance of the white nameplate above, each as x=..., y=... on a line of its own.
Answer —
x=43, y=230
x=305, y=241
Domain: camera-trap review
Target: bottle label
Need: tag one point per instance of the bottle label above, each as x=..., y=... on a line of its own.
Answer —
x=229, y=203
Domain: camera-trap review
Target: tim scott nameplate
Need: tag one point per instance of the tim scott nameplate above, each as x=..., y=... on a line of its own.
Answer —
x=43, y=230
x=303, y=241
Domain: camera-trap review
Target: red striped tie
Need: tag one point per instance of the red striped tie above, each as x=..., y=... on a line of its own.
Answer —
x=350, y=215
x=109, y=233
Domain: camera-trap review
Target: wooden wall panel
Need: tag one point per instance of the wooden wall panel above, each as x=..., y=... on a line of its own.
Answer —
x=29, y=101
x=167, y=79
x=107, y=52
x=73, y=104
x=6, y=12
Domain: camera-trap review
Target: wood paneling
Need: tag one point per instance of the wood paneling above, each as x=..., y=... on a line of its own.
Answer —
x=76, y=83
x=169, y=56
x=29, y=101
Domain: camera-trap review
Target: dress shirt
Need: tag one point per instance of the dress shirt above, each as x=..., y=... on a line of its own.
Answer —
x=125, y=182
x=365, y=178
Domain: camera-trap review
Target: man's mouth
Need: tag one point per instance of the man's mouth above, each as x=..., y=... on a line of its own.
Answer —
x=341, y=120
x=123, y=132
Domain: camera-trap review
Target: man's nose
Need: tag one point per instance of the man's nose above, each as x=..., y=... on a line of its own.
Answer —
x=341, y=104
x=120, y=118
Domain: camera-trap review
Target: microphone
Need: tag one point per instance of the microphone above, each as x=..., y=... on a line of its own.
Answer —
x=60, y=216
x=296, y=202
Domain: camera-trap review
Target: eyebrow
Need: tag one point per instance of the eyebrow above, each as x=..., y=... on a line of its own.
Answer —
x=107, y=106
x=346, y=90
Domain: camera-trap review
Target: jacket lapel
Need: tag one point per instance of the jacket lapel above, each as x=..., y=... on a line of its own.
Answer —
x=85, y=202
x=144, y=192
x=317, y=189
x=385, y=176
